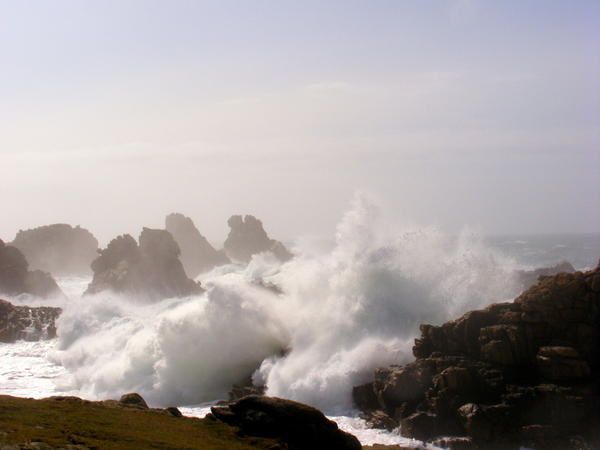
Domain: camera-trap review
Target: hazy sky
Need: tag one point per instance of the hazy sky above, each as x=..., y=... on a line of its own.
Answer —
x=454, y=113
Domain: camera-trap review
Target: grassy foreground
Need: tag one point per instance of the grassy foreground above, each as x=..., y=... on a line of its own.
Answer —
x=78, y=424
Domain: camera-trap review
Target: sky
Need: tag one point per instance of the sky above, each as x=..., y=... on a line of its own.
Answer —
x=453, y=113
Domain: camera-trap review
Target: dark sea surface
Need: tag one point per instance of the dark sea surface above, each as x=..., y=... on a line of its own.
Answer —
x=543, y=250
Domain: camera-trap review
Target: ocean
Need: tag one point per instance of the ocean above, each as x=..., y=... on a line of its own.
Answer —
x=342, y=312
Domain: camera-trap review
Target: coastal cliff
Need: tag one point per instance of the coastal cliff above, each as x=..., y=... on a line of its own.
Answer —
x=522, y=373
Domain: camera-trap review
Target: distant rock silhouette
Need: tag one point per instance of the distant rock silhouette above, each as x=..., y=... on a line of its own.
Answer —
x=59, y=249
x=197, y=255
x=15, y=278
x=247, y=237
x=527, y=278
x=150, y=270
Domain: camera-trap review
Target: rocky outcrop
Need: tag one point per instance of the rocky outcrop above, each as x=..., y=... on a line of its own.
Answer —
x=151, y=270
x=16, y=279
x=521, y=373
x=298, y=426
x=27, y=323
x=133, y=399
x=247, y=237
x=197, y=255
x=59, y=248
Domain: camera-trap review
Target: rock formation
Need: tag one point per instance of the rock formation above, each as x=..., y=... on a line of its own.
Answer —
x=134, y=400
x=299, y=426
x=59, y=249
x=197, y=255
x=150, y=270
x=26, y=323
x=512, y=374
x=247, y=237
x=15, y=278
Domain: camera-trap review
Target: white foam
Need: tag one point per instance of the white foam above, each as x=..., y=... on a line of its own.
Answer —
x=341, y=312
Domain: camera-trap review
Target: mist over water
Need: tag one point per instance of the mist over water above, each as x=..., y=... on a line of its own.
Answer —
x=309, y=329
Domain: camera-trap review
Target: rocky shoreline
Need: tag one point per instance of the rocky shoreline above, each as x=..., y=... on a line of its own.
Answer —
x=523, y=373
x=27, y=323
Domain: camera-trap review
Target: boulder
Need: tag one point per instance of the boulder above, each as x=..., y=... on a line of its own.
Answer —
x=27, y=323
x=133, y=399
x=299, y=426
x=15, y=278
x=197, y=255
x=151, y=270
x=379, y=419
x=247, y=237
x=500, y=376
x=420, y=425
x=59, y=248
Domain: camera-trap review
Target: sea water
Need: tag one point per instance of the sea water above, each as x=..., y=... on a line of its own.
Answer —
x=341, y=312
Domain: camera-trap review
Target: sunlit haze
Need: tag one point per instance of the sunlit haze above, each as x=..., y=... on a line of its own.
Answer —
x=452, y=113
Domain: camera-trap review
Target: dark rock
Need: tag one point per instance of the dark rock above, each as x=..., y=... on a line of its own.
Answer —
x=379, y=419
x=501, y=376
x=151, y=270
x=173, y=411
x=247, y=237
x=59, y=248
x=420, y=425
x=133, y=399
x=396, y=385
x=561, y=363
x=365, y=398
x=15, y=278
x=197, y=255
x=299, y=426
x=27, y=323
x=477, y=424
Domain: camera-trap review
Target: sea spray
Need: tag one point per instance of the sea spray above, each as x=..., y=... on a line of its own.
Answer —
x=309, y=329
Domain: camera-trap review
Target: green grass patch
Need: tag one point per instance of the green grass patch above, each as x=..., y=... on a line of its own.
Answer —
x=104, y=425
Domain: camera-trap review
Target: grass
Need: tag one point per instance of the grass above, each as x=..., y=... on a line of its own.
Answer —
x=104, y=425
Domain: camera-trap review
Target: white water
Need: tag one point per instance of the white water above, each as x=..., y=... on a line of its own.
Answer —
x=342, y=313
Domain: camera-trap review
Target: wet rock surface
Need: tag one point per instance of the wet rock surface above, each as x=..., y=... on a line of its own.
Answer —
x=151, y=270
x=27, y=323
x=60, y=249
x=298, y=426
x=515, y=374
x=197, y=255
x=247, y=237
x=16, y=278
